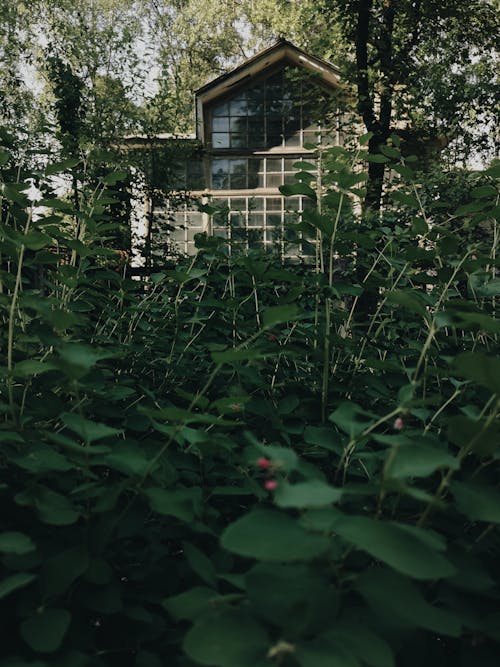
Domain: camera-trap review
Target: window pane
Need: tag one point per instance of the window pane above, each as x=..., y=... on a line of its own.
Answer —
x=237, y=140
x=220, y=124
x=220, y=139
x=274, y=164
x=255, y=219
x=221, y=110
x=274, y=180
x=238, y=107
x=274, y=203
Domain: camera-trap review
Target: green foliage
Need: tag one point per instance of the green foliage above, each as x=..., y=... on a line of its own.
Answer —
x=228, y=464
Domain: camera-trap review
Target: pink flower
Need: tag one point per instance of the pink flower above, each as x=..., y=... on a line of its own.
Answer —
x=262, y=462
x=270, y=485
x=398, y=424
x=236, y=407
x=272, y=337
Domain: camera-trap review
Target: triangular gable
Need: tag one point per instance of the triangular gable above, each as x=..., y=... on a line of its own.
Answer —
x=280, y=52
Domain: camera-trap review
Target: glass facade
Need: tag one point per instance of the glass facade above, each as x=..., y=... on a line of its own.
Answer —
x=280, y=111
x=266, y=222
x=252, y=144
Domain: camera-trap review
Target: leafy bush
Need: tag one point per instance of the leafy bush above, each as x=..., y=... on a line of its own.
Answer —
x=238, y=463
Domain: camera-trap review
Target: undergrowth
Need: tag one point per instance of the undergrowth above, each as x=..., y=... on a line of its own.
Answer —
x=241, y=463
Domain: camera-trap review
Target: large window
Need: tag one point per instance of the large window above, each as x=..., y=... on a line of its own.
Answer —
x=263, y=222
x=248, y=173
x=281, y=111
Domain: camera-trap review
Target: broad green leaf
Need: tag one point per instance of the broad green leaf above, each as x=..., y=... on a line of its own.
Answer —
x=184, y=504
x=313, y=493
x=129, y=458
x=272, y=536
x=228, y=638
x=365, y=138
x=16, y=543
x=114, y=177
x=30, y=367
x=324, y=653
x=59, y=572
x=293, y=596
x=298, y=189
x=324, y=437
x=15, y=582
x=279, y=315
x=396, y=597
x=479, y=502
x=481, y=438
x=41, y=458
x=408, y=300
x=376, y=157
x=393, y=544
x=76, y=359
x=190, y=604
x=363, y=643
x=53, y=508
x=480, y=367
x=200, y=564
x=45, y=630
x=88, y=431
x=59, y=167
x=484, y=191
x=419, y=461
x=351, y=418
x=283, y=458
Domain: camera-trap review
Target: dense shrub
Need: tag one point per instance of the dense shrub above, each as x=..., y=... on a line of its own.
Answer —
x=238, y=463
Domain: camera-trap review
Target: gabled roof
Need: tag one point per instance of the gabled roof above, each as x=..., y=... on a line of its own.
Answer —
x=282, y=50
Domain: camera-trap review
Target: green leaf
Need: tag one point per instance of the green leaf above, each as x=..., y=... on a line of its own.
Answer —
x=351, y=418
x=480, y=367
x=365, y=138
x=59, y=167
x=479, y=502
x=298, y=189
x=279, y=315
x=324, y=653
x=16, y=543
x=190, y=604
x=184, y=504
x=129, y=458
x=76, y=359
x=283, y=458
x=40, y=458
x=405, y=551
x=272, y=536
x=313, y=493
x=484, y=191
x=376, y=157
x=420, y=460
x=230, y=638
x=59, y=572
x=324, y=437
x=477, y=436
x=53, y=508
x=398, y=599
x=200, y=564
x=407, y=300
x=363, y=643
x=45, y=630
x=114, y=177
x=293, y=596
x=87, y=430
x=30, y=367
x=14, y=582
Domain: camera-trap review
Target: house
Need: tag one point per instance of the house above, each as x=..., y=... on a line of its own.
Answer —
x=254, y=124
